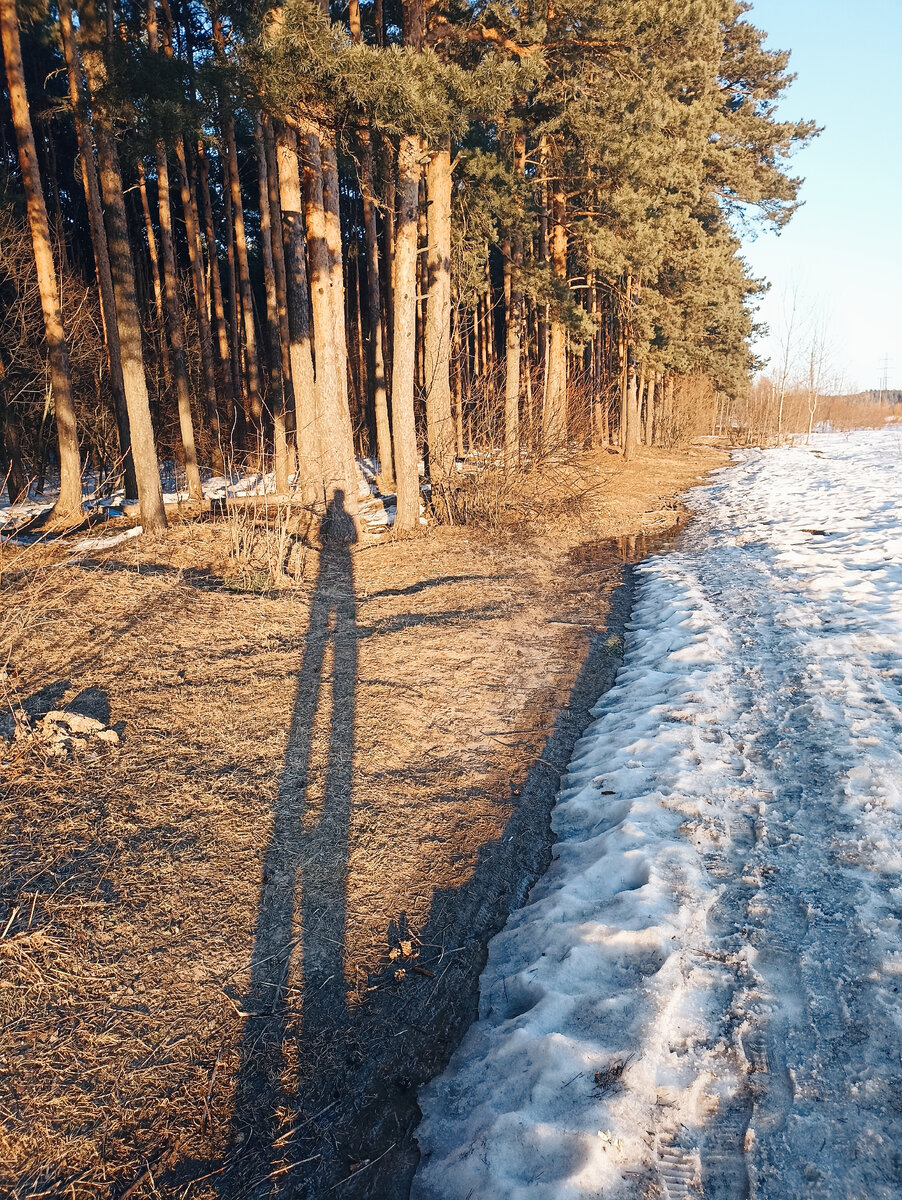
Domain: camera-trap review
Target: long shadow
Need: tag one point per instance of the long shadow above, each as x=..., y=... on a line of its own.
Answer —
x=299, y=948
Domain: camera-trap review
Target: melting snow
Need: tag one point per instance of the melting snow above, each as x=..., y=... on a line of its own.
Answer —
x=702, y=995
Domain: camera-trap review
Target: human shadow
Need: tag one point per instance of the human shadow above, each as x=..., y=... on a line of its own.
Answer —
x=297, y=992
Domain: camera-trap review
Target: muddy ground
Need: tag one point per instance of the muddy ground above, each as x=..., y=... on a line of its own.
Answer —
x=237, y=943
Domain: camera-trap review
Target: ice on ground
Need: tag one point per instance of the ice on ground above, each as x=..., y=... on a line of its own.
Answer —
x=702, y=995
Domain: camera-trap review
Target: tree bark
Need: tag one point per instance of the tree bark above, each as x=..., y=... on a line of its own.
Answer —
x=13, y=473
x=336, y=441
x=374, y=308
x=227, y=380
x=302, y=376
x=242, y=268
x=404, y=353
x=437, y=339
x=554, y=409
x=252, y=361
x=69, y=502
x=171, y=296
x=650, y=410
x=196, y=262
x=542, y=255
x=154, y=257
x=274, y=339
x=631, y=432
x=174, y=326
x=195, y=253
x=389, y=202
x=98, y=242
x=512, y=347
x=278, y=257
x=150, y=493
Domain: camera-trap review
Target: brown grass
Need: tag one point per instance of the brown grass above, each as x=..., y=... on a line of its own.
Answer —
x=141, y=1055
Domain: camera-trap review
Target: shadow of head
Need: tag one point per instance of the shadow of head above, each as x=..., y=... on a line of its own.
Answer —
x=338, y=528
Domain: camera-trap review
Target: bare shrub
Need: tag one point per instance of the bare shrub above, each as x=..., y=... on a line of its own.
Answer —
x=544, y=482
x=268, y=543
x=687, y=412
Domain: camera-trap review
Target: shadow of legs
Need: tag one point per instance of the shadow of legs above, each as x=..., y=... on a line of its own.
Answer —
x=304, y=871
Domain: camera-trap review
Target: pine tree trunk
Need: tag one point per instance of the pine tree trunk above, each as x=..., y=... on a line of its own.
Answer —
x=374, y=303
x=251, y=357
x=513, y=327
x=306, y=428
x=390, y=201
x=437, y=339
x=650, y=410
x=274, y=340
x=554, y=409
x=227, y=382
x=175, y=328
x=281, y=278
x=238, y=374
x=150, y=493
x=11, y=469
x=376, y=357
x=69, y=502
x=195, y=251
x=98, y=242
x=422, y=288
x=196, y=262
x=667, y=411
x=242, y=268
x=363, y=420
x=631, y=432
x=336, y=441
x=154, y=257
x=512, y=356
x=171, y=296
x=456, y=358
x=404, y=355
x=542, y=255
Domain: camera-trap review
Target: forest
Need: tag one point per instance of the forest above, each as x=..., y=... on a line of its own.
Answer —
x=267, y=794
x=418, y=234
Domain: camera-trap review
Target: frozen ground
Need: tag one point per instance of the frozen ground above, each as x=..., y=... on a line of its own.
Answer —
x=702, y=996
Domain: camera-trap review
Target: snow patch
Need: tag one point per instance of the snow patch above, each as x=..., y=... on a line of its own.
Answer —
x=701, y=996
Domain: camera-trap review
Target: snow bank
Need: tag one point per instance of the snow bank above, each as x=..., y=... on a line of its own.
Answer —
x=699, y=997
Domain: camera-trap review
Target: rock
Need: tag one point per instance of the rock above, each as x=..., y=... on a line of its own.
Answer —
x=55, y=717
x=51, y=731
x=75, y=721
x=63, y=733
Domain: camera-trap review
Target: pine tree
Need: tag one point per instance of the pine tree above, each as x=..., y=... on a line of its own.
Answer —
x=150, y=493
x=69, y=502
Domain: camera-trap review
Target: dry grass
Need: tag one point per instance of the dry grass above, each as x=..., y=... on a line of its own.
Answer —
x=358, y=749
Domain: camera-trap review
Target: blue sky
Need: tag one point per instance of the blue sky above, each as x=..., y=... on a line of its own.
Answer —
x=842, y=252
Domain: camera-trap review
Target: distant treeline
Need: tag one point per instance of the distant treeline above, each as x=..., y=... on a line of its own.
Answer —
x=885, y=396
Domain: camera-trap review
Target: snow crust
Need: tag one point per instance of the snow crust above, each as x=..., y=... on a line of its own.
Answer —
x=702, y=995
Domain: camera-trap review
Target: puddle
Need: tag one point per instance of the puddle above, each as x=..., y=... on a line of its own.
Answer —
x=628, y=548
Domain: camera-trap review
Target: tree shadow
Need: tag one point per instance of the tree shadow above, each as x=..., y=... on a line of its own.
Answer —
x=299, y=949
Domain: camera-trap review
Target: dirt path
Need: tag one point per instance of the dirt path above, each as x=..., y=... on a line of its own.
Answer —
x=242, y=940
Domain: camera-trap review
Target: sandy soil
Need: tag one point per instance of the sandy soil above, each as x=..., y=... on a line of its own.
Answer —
x=237, y=944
